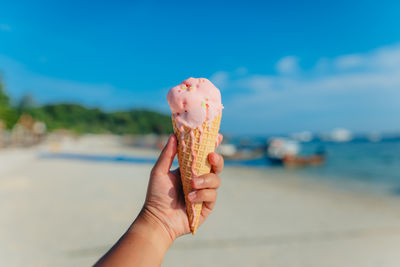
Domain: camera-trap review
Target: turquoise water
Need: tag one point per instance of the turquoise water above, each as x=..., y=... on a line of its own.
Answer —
x=373, y=163
x=100, y=158
x=367, y=162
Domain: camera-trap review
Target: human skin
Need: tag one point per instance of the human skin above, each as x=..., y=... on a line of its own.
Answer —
x=163, y=217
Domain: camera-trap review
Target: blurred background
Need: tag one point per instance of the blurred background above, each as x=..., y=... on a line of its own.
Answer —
x=311, y=127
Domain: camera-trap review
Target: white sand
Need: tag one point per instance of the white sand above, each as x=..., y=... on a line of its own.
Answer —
x=68, y=213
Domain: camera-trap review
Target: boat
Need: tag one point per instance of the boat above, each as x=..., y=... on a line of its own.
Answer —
x=284, y=151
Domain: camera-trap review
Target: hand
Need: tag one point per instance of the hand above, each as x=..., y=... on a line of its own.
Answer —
x=165, y=201
x=163, y=217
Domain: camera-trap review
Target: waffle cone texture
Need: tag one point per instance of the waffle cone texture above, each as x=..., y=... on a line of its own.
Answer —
x=203, y=143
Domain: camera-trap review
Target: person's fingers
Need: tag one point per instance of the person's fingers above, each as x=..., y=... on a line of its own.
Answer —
x=176, y=172
x=219, y=140
x=203, y=195
x=209, y=180
x=209, y=205
x=166, y=157
x=216, y=161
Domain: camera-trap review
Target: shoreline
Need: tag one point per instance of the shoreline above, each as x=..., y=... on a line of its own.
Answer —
x=351, y=184
x=17, y=156
x=59, y=212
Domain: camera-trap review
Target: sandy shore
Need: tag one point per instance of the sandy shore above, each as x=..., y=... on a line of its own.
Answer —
x=59, y=212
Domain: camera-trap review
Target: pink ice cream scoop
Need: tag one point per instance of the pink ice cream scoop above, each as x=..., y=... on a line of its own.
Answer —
x=194, y=101
x=196, y=109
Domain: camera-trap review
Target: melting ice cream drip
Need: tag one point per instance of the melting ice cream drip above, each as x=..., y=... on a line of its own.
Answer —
x=194, y=102
x=182, y=130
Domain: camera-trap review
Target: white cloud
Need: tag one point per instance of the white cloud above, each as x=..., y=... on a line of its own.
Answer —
x=5, y=28
x=357, y=91
x=256, y=82
x=349, y=61
x=289, y=64
x=323, y=65
x=386, y=57
x=383, y=58
x=220, y=78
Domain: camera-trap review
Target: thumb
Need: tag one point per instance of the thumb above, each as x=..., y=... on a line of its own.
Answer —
x=166, y=157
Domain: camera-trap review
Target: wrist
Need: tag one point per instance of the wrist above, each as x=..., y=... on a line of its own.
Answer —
x=150, y=227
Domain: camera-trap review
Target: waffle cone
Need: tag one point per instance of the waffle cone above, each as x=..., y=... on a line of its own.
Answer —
x=202, y=146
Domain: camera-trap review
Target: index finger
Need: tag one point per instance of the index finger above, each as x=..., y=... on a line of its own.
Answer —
x=216, y=161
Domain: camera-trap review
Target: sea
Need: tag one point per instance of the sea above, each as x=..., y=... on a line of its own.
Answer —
x=371, y=162
x=376, y=164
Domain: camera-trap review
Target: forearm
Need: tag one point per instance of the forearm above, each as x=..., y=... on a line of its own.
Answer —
x=144, y=244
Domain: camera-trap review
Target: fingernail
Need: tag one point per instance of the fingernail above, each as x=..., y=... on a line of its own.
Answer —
x=215, y=158
x=192, y=195
x=198, y=181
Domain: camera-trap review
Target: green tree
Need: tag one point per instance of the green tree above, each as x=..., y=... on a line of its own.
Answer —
x=84, y=120
x=4, y=99
x=7, y=114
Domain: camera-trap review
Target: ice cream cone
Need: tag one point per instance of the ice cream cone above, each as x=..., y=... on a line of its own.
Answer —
x=193, y=149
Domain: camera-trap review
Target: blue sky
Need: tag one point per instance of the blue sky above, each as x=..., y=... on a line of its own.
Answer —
x=282, y=66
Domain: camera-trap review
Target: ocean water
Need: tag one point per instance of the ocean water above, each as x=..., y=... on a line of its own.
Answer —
x=354, y=165
x=372, y=163
x=364, y=161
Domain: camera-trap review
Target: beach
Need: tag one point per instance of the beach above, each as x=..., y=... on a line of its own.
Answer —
x=69, y=212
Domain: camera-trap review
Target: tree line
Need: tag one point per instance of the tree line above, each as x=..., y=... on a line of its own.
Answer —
x=81, y=119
